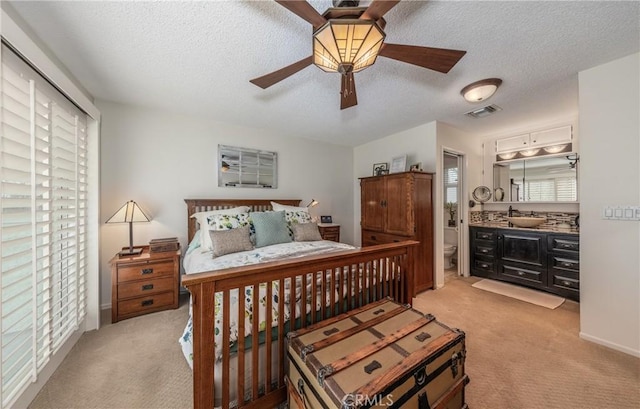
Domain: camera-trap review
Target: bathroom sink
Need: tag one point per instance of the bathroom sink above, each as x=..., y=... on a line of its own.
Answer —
x=526, y=221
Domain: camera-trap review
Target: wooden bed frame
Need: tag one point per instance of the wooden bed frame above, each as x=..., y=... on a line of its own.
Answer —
x=348, y=279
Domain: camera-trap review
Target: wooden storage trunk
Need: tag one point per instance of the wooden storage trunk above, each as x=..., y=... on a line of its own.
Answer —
x=381, y=355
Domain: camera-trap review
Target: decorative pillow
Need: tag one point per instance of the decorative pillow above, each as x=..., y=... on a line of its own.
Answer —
x=297, y=216
x=222, y=222
x=306, y=232
x=271, y=228
x=230, y=241
x=201, y=218
x=195, y=243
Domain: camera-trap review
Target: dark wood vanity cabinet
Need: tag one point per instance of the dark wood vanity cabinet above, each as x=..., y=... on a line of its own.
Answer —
x=541, y=260
x=564, y=265
x=484, y=250
x=523, y=257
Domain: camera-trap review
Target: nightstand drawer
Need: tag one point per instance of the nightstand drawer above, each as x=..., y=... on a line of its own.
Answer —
x=329, y=232
x=143, y=304
x=145, y=270
x=145, y=287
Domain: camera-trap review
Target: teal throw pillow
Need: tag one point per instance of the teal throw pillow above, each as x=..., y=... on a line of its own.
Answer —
x=271, y=228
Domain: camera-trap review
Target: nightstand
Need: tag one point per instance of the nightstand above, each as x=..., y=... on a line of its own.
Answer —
x=145, y=283
x=329, y=231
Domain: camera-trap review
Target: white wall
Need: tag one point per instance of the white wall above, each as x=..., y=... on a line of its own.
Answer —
x=158, y=159
x=609, y=104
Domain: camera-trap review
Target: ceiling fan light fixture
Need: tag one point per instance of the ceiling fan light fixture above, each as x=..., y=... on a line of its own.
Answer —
x=481, y=90
x=347, y=45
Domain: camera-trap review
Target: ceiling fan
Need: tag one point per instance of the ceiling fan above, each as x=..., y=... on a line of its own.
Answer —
x=348, y=38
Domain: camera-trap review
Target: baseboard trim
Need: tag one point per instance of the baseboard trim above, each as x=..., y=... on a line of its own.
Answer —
x=609, y=344
x=105, y=306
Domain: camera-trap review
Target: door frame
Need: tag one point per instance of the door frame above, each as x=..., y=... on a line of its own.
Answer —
x=463, y=211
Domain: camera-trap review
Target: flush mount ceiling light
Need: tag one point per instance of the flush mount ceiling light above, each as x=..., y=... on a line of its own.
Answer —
x=481, y=90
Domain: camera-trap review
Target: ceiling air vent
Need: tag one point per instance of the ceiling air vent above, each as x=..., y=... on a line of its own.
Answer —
x=484, y=111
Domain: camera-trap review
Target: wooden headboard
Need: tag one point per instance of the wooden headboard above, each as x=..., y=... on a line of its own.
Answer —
x=204, y=205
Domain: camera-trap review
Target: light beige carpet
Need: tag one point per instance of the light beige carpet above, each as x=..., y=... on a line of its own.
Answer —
x=520, y=293
x=519, y=356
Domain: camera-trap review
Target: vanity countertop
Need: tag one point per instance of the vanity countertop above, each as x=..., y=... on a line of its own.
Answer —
x=543, y=228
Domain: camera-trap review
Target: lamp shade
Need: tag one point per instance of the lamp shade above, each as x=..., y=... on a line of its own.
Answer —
x=481, y=90
x=347, y=45
x=130, y=212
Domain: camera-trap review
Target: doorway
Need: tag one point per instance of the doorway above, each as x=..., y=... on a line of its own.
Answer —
x=453, y=248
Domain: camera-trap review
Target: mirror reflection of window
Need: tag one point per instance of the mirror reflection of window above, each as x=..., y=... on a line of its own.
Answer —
x=243, y=167
x=537, y=180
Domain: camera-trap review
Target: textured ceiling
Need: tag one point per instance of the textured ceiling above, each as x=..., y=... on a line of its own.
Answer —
x=198, y=57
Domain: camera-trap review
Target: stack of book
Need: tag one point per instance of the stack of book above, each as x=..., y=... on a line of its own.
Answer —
x=162, y=245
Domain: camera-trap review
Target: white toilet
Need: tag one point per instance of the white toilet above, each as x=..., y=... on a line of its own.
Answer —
x=449, y=251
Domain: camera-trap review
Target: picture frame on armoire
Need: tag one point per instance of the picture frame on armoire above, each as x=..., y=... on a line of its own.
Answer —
x=398, y=164
x=380, y=169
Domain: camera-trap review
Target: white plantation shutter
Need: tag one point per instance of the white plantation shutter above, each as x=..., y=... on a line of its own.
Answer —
x=43, y=219
x=451, y=185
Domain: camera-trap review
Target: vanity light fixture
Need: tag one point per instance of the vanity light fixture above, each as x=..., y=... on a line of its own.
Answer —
x=555, y=148
x=313, y=202
x=481, y=90
x=507, y=155
x=529, y=152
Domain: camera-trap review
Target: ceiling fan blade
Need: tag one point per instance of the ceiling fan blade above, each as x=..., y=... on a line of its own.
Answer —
x=348, y=91
x=377, y=9
x=304, y=10
x=272, y=78
x=438, y=59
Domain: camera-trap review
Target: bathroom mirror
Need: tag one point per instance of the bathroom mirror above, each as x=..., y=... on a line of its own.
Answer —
x=548, y=179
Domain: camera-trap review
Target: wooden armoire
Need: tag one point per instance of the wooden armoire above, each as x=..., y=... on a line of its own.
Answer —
x=399, y=207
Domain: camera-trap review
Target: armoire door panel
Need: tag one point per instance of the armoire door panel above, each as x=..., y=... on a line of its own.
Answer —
x=399, y=205
x=372, y=206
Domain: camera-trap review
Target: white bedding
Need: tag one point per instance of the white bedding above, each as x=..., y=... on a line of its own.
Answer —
x=197, y=261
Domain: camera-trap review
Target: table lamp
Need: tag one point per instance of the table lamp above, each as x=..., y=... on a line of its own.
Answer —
x=130, y=213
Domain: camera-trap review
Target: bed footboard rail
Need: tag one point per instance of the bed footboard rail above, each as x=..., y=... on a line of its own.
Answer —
x=259, y=304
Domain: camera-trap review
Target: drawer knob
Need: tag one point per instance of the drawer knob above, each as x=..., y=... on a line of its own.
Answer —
x=146, y=271
x=146, y=303
x=147, y=287
x=484, y=251
x=521, y=273
x=566, y=283
x=373, y=238
x=484, y=265
x=565, y=264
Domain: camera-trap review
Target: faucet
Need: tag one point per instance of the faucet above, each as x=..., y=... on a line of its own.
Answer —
x=511, y=210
